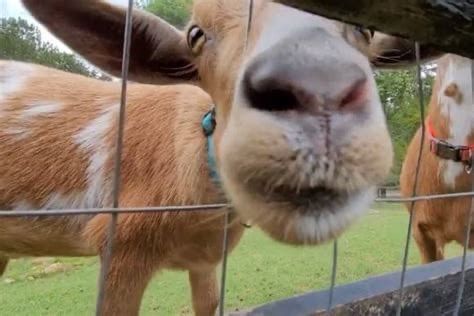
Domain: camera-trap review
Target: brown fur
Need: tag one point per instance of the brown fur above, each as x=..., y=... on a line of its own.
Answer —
x=162, y=123
x=436, y=222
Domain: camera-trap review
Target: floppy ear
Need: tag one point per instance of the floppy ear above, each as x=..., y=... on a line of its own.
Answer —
x=388, y=51
x=95, y=30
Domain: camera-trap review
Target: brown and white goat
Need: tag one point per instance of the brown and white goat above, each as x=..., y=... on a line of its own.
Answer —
x=300, y=141
x=450, y=117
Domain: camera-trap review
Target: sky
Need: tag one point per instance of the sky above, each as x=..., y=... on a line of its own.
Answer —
x=14, y=8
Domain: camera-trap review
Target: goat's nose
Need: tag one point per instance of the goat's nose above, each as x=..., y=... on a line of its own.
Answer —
x=323, y=85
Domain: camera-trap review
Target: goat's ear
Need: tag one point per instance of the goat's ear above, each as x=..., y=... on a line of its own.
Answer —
x=95, y=30
x=388, y=51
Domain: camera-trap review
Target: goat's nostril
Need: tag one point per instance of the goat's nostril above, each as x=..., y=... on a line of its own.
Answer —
x=355, y=96
x=269, y=94
x=270, y=85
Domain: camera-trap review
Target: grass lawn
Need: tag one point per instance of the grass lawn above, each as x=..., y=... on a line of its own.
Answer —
x=259, y=270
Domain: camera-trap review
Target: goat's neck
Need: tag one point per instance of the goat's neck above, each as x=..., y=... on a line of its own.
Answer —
x=452, y=110
x=166, y=160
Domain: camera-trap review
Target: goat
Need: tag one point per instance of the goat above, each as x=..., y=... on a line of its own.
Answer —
x=300, y=141
x=442, y=170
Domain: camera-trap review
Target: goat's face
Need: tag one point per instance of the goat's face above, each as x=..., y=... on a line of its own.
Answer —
x=301, y=139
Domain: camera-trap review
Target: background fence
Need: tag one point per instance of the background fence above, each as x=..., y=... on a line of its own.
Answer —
x=409, y=291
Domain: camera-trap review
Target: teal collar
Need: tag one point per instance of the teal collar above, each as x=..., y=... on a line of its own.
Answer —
x=208, y=124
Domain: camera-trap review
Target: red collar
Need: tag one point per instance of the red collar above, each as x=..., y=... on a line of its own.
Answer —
x=445, y=150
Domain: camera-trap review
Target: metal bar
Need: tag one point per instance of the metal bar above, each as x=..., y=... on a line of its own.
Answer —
x=333, y=276
x=415, y=184
x=105, y=264
x=424, y=21
x=467, y=237
x=225, y=251
x=205, y=207
x=111, y=210
x=426, y=197
x=226, y=219
x=462, y=282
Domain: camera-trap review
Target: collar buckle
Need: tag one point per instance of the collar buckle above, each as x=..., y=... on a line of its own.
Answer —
x=208, y=122
x=447, y=151
x=444, y=150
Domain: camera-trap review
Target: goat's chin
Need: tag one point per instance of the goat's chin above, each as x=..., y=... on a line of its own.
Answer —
x=305, y=217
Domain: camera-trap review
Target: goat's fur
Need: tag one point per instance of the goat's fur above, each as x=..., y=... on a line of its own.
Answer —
x=48, y=152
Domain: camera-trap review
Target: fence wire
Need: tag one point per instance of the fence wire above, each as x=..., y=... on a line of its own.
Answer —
x=115, y=210
x=107, y=257
x=467, y=237
x=415, y=183
x=333, y=276
x=225, y=252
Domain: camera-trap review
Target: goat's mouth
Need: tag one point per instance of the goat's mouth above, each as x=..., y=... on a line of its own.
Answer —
x=309, y=215
x=302, y=179
x=307, y=199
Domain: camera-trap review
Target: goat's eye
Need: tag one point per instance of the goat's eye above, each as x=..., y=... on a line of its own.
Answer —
x=196, y=39
x=366, y=33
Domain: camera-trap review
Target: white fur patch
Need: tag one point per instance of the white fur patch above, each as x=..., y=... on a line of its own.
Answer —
x=41, y=108
x=13, y=78
x=91, y=139
x=460, y=116
x=32, y=110
x=62, y=201
x=284, y=21
x=312, y=228
x=57, y=201
x=22, y=206
x=18, y=132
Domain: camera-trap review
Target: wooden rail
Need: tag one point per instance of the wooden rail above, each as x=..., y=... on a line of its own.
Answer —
x=430, y=290
x=446, y=25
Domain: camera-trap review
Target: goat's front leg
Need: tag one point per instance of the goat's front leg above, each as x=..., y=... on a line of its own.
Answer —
x=204, y=292
x=126, y=281
x=429, y=250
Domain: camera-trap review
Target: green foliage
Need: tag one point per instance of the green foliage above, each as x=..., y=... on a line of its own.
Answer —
x=399, y=95
x=175, y=12
x=22, y=41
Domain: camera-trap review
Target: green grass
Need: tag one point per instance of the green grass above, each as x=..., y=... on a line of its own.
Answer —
x=259, y=270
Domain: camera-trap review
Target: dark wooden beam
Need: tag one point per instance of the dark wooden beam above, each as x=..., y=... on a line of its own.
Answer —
x=447, y=25
x=430, y=290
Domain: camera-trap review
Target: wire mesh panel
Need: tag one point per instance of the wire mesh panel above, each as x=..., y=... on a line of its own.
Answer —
x=115, y=209
x=107, y=257
x=415, y=183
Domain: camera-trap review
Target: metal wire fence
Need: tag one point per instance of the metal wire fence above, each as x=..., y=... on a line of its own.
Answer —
x=115, y=209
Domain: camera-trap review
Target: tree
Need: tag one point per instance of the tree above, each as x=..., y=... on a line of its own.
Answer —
x=398, y=92
x=22, y=41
